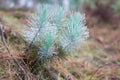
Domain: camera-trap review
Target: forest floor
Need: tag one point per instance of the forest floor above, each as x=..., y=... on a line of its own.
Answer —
x=98, y=59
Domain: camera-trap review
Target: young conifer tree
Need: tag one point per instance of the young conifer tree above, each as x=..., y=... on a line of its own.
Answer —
x=53, y=29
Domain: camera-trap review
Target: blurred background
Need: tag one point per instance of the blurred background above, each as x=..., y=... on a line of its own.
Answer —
x=107, y=10
x=99, y=59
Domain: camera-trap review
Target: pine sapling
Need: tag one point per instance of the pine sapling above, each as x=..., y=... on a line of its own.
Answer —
x=53, y=30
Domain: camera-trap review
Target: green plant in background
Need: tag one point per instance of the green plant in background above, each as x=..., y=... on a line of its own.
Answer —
x=80, y=4
x=45, y=1
x=53, y=29
x=114, y=5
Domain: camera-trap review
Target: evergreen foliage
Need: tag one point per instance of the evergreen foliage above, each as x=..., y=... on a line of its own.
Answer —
x=53, y=29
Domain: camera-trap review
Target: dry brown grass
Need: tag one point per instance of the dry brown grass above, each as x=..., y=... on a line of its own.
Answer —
x=99, y=59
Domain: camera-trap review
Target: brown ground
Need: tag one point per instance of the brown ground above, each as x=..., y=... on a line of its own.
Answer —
x=99, y=59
